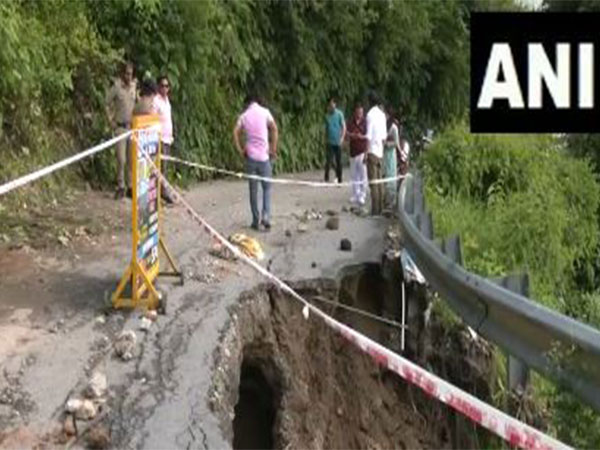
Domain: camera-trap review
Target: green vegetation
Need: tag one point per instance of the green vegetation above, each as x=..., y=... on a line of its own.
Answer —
x=58, y=55
x=525, y=203
x=520, y=202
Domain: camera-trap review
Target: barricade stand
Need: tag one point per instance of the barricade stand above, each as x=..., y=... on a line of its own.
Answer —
x=146, y=223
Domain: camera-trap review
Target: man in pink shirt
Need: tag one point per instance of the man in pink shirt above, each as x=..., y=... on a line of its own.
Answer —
x=257, y=124
x=162, y=105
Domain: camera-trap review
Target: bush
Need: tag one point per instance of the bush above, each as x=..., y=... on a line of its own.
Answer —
x=522, y=203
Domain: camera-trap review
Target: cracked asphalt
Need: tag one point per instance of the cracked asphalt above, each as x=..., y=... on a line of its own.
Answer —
x=159, y=399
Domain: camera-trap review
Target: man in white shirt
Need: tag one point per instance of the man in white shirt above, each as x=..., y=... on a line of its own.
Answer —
x=376, y=134
x=162, y=105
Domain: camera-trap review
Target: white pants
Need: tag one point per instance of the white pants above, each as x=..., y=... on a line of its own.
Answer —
x=358, y=172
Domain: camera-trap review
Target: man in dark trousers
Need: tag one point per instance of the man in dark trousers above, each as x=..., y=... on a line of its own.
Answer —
x=335, y=132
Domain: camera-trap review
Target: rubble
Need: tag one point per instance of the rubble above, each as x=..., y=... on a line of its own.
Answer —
x=81, y=409
x=101, y=320
x=145, y=324
x=151, y=314
x=221, y=251
x=97, y=386
x=69, y=427
x=98, y=438
x=333, y=223
x=125, y=344
x=345, y=245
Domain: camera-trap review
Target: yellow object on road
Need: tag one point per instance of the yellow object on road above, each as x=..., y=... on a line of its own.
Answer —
x=249, y=246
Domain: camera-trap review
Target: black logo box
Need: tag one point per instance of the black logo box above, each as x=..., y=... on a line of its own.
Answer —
x=519, y=30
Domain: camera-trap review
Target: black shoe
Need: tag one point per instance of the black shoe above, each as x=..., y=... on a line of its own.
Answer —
x=254, y=226
x=120, y=193
x=266, y=224
x=129, y=193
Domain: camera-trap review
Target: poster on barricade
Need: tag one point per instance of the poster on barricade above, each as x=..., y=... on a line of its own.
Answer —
x=145, y=209
x=146, y=193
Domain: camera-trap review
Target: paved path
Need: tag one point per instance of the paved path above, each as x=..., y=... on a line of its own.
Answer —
x=52, y=337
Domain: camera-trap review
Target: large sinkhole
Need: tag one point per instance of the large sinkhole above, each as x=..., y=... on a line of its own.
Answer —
x=284, y=381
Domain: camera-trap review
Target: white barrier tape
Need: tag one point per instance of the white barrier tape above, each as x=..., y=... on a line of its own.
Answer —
x=516, y=433
x=11, y=185
x=279, y=180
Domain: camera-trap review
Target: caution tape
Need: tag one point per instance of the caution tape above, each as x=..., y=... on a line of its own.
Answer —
x=14, y=184
x=279, y=180
x=516, y=433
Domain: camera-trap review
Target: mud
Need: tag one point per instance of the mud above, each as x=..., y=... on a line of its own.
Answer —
x=281, y=381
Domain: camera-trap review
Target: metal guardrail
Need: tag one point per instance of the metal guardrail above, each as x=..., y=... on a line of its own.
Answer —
x=555, y=345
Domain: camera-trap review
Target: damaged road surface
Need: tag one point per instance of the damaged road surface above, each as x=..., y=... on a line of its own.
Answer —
x=233, y=363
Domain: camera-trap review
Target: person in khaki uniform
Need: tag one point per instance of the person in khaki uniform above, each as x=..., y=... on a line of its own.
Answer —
x=120, y=102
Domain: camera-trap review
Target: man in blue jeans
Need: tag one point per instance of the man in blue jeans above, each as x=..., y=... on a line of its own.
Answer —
x=257, y=124
x=335, y=132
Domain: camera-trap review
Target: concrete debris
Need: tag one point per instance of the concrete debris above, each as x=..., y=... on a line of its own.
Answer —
x=345, y=245
x=145, y=324
x=69, y=427
x=221, y=251
x=125, y=344
x=97, y=386
x=302, y=228
x=98, y=438
x=205, y=278
x=151, y=314
x=81, y=409
x=333, y=223
x=101, y=320
x=311, y=214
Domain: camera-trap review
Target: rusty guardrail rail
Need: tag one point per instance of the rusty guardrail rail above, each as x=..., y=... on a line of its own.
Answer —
x=555, y=345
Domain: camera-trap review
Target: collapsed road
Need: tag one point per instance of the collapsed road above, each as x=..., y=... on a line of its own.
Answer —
x=233, y=363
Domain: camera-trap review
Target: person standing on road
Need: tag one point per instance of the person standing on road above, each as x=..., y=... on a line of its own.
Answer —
x=392, y=145
x=120, y=101
x=162, y=105
x=376, y=134
x=404, y=155
x=335, y=131
x=260, y=143
x=356, y=133
x=145, y=102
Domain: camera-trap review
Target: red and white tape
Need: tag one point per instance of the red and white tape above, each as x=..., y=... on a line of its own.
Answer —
x=14, y=184
x=279, y=180
x=516, y=433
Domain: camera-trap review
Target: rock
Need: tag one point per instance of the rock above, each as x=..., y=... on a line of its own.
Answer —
x=98, y=438
x=151, y=314
x=302, y=228
x=331, y=212
x=69, y=426
x=81, y=409
x=101, y=320
x=339, y=411
x=97, y=385
x=288, y=233
x=345, y=245
x=333, y=223
x=125, y=344
x=313, y=264
x=145, y=324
